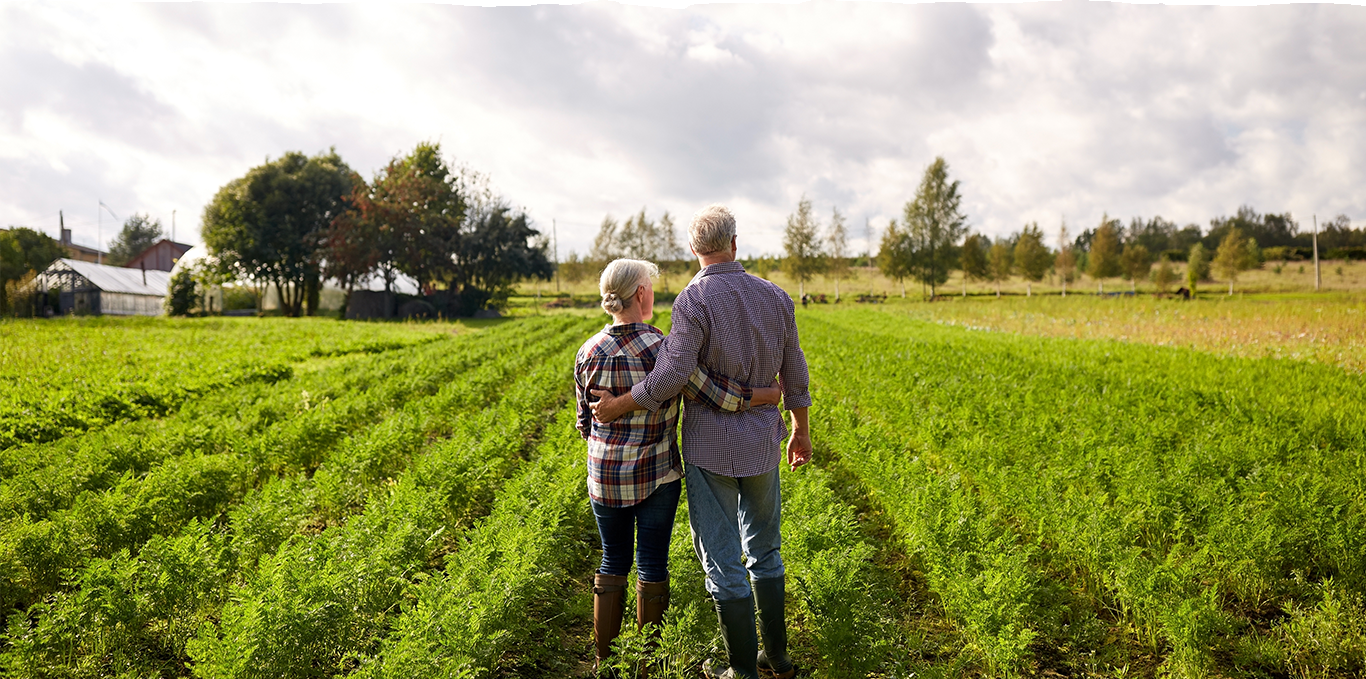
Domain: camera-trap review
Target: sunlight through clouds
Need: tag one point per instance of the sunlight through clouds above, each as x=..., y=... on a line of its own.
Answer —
x=1042, y=110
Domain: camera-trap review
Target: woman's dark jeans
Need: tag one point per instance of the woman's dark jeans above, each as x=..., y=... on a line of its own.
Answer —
x=653, y=519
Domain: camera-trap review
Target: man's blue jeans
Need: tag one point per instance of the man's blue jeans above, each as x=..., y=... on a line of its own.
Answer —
x=654, y=517
x=735, y=528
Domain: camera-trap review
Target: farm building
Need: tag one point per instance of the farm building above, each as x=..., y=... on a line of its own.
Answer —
x=80, y=252
x=87, y=288
x=161, y=256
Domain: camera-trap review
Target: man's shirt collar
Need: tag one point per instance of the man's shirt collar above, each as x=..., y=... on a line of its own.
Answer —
x=720, y=268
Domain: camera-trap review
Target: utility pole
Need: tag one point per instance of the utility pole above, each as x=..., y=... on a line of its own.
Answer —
x=555, y=238
x=1318, y=275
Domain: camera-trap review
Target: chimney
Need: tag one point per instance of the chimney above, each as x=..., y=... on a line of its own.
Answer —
x=144, y=271
x=66, y=233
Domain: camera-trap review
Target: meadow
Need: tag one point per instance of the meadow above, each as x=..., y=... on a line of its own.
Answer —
x=995, y=493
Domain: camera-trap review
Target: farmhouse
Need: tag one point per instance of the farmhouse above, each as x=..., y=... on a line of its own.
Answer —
x=73, y=286
x=81, y=252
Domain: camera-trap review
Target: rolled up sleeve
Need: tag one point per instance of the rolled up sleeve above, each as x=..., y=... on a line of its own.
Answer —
x=796, y=378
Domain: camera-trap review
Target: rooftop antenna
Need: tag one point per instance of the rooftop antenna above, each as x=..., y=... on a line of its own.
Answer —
x=172, y=225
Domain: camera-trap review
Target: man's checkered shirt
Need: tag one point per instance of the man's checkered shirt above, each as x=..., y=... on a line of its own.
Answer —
x=743, y=327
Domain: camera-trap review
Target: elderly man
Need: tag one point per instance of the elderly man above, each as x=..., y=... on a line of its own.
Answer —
x=741, y=326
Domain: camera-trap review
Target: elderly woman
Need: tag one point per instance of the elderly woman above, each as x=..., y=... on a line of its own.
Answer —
x=634, y=468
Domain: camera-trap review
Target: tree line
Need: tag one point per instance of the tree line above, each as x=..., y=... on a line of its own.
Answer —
x=932, y=238
x=296, y=221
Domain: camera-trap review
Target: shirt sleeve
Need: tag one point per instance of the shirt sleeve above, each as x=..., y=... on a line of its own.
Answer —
x=583, y=420
x=717, y=392
x=796, y=379
x=677, y=358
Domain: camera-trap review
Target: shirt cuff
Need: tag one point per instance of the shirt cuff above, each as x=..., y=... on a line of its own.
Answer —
x=642, y=397
x=798, y=400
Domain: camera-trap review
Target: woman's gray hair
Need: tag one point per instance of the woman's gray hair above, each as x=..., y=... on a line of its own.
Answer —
x=619, y=282
x=711, y=229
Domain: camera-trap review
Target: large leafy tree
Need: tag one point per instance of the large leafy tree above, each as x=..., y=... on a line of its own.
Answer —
x=424, y=212
x=268, y=226
x=498, y=248
x=350, y=252
x=934, y=221
x=802, y=245
x=139, y=233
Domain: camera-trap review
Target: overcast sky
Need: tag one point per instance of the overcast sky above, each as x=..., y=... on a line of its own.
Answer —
x=1043, y=111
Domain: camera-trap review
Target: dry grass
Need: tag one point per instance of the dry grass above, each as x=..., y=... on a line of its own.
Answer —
x=1272, y=314
x=1327, y=328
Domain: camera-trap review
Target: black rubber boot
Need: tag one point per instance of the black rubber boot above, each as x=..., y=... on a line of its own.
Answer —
x=770, y=598
x=736, y=617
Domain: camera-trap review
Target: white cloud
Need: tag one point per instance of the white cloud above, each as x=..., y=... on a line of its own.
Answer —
x=1042, y=110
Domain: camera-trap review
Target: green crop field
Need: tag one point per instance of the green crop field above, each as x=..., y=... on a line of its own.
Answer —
x=306, y=498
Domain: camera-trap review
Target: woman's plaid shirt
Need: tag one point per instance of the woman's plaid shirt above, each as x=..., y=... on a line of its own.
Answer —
x=629, y=457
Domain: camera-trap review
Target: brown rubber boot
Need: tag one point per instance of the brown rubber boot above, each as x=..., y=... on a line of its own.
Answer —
x=652, y=599
x=609, y=604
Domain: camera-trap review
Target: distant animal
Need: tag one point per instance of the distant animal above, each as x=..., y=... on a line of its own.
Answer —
x=1185, y=293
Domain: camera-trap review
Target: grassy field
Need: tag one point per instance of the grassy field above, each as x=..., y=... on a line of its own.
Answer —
x=1042, y=501
x=1272, y=277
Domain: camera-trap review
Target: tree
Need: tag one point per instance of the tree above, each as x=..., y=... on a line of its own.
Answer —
x=1066, y=262
x=999, y=264
x=1197, y=266
x=268, y=226
x=605, y=247
x=139, y=233
x=1137, y=262
x=1032, y=257
x=893, y=256
x=499, y=248
x=1164, y=276
x=1103, y=258
x=24, y=251
x=424, y=209
x=350, y=247
x=837, y=265
x=973, y=260
x=935, y=223
x=671, y=252
x=1232, y=256
x=801, y=246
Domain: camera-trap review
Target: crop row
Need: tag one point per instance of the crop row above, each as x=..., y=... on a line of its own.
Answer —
x=70, y=376
x=1213, y=505
x=302, y=536
x=201, y=483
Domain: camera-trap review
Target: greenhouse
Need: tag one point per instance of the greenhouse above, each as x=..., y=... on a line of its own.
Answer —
x=85, y=288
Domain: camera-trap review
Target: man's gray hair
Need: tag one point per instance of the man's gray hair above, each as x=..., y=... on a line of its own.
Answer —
x=711, y=229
